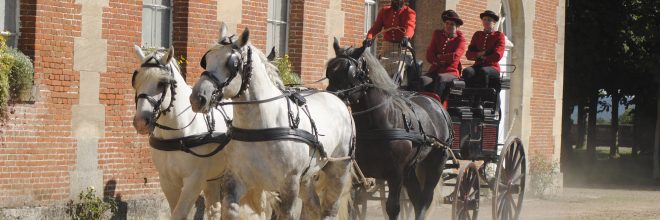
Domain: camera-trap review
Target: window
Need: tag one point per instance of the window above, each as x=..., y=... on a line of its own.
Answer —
x=278, y=17
x=370, y=13
x=156, y=23
x=9, y=21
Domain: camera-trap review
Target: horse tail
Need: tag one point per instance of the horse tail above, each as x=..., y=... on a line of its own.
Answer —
x=346, y=199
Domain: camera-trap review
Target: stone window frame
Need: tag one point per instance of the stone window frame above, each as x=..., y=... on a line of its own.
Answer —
x=12, y=35
x=371, y=9
x=505, y=25
x=156, y=6
x=278, y=39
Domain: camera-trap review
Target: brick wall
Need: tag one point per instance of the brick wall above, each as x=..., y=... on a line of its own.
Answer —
x=37, y=150
x=36, y=147
x=353, y=23
x=544, y=70
x=255, y=13
x=124, y=156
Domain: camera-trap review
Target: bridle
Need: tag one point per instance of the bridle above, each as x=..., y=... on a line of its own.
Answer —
x=359, y=82
x=236, y=64
x=156, y=104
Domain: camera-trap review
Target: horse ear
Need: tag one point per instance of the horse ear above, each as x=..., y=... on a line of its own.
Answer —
x=169, y=55
x=357, y=52
x=272, y=55
x=139, y=52
x=223, y=31
x=335, y=45
x=245, y=37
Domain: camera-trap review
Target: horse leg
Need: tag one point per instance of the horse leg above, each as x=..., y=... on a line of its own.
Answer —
x=289, y=202
x=335, y=183
x=393, y=204
x=172, y=191
x=430, y=169
x=192, y=187
x=233, y=191
x=212, y=199
x=414, y=191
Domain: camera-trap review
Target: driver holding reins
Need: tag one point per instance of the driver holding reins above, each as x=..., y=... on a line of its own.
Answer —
x=397, y=22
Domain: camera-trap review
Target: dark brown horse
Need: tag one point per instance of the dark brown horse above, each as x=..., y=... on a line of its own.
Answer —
x=402, y=136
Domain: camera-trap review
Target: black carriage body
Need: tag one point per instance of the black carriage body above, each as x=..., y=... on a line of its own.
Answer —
x=475, y=117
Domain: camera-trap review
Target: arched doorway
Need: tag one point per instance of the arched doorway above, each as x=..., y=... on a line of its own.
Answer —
x=507, y=69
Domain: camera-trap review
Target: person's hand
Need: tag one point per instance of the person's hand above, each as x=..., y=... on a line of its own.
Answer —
x=404, y=41
x=367, y=42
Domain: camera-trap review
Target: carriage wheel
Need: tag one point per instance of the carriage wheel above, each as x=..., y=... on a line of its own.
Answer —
x=509, y=185
x=466, y=193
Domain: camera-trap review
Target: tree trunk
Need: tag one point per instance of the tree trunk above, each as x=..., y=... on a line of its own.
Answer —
x=656, y=147
x=614, y=125
x=636, y=130
x=582, y=124
x=591, y=127
x=567, y=135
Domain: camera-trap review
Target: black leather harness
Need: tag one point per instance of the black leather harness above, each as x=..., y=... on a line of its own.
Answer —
x=292, y=132
x=185, y=144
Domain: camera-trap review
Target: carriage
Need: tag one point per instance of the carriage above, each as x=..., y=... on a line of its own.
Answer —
x=477, y=161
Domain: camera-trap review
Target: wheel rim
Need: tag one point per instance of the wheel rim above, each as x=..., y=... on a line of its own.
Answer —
x=466, y=193
x=509, y=185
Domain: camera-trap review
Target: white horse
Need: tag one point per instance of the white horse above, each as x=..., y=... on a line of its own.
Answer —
x=160, y=96
x=291, y=168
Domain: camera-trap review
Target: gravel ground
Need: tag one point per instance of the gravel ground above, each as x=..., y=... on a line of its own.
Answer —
x=571, y=203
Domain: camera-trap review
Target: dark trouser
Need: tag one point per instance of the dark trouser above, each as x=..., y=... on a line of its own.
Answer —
x=482, y=77
x=441, y=84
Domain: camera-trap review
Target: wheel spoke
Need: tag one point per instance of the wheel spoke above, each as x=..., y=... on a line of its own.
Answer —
x=517, y=177
x=500, y=206
x=519, y=162
x=513, y=202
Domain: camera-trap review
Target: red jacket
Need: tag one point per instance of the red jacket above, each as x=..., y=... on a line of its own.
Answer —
x=387, y=18
x=492, y=43
x=446, y=50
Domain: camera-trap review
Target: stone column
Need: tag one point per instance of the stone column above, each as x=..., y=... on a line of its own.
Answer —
x=230, y=12
x=334, y=25
x=88, y=116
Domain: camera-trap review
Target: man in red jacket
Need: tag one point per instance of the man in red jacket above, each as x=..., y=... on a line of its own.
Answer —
x=397, y=21
x=486, y=49
x=444, y=54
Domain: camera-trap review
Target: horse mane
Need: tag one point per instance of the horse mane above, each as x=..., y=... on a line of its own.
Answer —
x=378, y=75
x=271, y=70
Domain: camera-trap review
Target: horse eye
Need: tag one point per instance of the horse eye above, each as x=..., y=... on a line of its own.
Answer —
x=351, y=71
x=162, y=84
x=233, y=63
